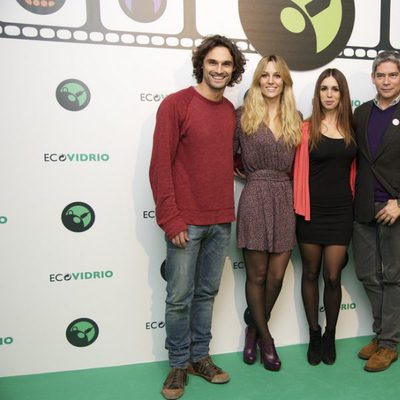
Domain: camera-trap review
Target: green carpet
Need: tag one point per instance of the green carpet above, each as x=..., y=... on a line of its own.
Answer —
x=345, y=380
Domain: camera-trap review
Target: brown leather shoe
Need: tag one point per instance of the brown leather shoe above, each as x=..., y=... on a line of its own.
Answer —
x=174, y=385
x=381, y=360
x=208, y=370
x=369, y=349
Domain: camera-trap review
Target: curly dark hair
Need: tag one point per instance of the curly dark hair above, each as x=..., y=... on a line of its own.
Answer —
x=208, y=43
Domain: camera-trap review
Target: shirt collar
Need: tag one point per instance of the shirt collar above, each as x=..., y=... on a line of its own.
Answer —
x=394, y=102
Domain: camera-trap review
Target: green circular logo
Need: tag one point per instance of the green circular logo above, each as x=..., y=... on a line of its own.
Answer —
x=78, y=216
x=73, y=94
x=82, y=332
x=248, y=318
x=143, y=10
x=43, y=7
x=162, y=270
x=308, y=34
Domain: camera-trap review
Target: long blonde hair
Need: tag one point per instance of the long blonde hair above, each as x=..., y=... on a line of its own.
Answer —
x=254, y=108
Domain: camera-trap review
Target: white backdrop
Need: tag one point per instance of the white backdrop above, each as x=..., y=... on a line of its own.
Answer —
x=110, y=273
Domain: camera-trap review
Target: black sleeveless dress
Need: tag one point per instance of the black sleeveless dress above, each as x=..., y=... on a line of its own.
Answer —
x=330, y=195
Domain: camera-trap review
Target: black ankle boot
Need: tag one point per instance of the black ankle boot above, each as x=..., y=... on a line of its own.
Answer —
x=314, y=352
x=328, y=347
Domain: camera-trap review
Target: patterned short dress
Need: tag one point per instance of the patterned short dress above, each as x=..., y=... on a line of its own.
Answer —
x=265, y=219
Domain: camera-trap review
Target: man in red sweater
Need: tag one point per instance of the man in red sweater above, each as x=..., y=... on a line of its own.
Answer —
x=191, y=176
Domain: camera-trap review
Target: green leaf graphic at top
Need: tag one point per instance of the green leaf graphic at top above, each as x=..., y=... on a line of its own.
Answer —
x=325, y=21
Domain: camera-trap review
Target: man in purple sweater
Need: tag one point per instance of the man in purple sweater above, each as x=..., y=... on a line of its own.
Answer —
x=376, y=235
x=191, y=176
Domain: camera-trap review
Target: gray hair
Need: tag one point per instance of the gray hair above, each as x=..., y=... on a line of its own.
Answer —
x=385, y=56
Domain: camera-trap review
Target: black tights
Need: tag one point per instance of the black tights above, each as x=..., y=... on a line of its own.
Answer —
x=332, y=258
x=264, y=277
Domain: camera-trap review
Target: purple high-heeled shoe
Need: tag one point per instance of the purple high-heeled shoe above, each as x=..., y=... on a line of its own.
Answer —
x=268, y=355
x=250, y=345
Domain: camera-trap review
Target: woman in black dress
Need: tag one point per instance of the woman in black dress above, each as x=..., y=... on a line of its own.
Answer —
x=323, y=183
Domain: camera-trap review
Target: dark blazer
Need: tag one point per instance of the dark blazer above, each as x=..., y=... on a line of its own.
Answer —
x=386, y=166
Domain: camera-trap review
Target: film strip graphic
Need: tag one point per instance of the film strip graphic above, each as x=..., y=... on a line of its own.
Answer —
x=94, y=32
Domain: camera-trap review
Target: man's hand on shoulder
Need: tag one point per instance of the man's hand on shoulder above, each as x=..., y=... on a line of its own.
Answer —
x=181, y=239
x=389, y=214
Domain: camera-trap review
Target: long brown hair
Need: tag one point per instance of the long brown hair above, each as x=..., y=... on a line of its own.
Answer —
x=344, y=112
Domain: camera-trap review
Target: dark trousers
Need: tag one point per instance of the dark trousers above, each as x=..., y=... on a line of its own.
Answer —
x=376, y=251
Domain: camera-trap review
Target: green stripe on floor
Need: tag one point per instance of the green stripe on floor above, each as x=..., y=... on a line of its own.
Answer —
x=345, y=380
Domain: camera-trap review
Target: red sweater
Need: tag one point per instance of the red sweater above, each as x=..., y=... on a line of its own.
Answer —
x=191, y=169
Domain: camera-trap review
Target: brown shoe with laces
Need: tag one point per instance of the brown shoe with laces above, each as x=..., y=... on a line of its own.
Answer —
x=381, y=360
x=174, y=385
x=208, y=370
x=369, y=349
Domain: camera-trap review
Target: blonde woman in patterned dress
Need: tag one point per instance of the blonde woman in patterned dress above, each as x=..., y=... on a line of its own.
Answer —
x=268, y=131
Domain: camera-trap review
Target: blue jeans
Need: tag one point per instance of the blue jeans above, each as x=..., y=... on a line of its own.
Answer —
x=193, y=276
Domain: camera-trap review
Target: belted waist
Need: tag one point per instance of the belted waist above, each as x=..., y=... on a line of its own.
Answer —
x=268, y=174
